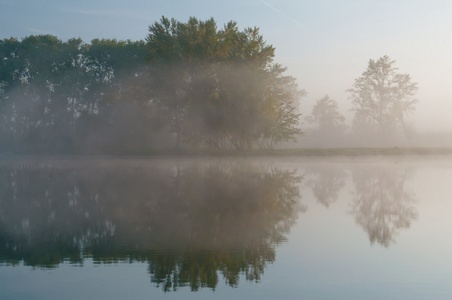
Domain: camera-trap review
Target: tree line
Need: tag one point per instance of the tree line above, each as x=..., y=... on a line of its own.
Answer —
x=381, y=100
x=186, y=86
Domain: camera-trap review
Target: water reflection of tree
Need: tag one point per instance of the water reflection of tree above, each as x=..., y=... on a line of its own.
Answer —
x=383, y=203
x=326, y=181
x=191, y=223
x=235, y=212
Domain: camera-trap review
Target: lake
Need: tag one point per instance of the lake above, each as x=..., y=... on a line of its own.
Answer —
x=226, y=228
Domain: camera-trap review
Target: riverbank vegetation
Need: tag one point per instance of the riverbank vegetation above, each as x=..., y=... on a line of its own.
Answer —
x=187, y=88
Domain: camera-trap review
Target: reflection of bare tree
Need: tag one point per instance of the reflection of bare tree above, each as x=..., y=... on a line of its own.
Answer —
x=192, y=223
x=326, y=181
x=383, y=203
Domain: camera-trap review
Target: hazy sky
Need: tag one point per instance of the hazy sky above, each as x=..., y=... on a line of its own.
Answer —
x=325, y=44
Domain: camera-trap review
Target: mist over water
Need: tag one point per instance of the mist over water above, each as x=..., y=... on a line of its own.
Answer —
x=211, y=223
x=191, y=164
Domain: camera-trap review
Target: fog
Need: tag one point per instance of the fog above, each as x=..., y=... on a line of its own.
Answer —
x=334, y=46
x=324, y=45
x=200, y=149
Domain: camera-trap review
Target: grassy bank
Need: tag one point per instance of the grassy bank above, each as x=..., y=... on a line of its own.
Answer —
x=275, y=152
x=363, y=151
x=315, y=152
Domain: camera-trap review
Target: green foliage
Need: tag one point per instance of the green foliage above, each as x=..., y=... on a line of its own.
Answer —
x=36, y=104
x=220, y=88
x=55, y=94
x=188, y=84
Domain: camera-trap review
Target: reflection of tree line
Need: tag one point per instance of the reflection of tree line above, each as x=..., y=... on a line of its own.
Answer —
x=190, y=223
x=382, y=203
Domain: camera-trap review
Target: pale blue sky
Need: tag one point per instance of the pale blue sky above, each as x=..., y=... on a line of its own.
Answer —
x=326, y=44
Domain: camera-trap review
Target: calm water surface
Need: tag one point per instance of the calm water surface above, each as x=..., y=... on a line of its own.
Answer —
x=260, y=228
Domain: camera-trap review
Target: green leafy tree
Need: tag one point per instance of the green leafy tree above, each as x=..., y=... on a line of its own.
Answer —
x=220, y=87
x=201, y=85
x=382, y=97
x=56, y=96
x=38, y=104
x=124, y=122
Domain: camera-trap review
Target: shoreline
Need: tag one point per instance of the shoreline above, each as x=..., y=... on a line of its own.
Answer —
x=301, y=152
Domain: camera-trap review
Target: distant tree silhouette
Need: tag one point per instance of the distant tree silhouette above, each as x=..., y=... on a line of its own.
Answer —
x=326, y=117
x=382, y=98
